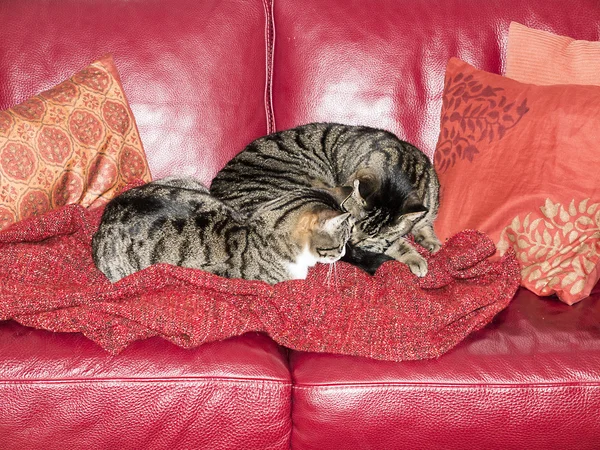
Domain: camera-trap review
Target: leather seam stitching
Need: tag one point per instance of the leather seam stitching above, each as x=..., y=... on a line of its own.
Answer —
x=269, y=55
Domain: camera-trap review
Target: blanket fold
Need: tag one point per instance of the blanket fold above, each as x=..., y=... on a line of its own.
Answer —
x=49, y=281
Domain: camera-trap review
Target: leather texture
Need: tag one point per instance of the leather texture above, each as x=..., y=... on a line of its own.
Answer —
x=382, y=62
x=193, y=71
x=61, y=391
x=530, y=379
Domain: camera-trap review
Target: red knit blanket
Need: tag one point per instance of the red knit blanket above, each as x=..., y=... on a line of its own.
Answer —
x=48, y=280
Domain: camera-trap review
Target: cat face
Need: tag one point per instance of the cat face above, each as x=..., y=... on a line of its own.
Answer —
x=381, y=226
x=329, y=238
x=377, y=221
x=325, y=234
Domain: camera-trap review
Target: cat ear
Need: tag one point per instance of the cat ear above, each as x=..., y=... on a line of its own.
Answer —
x=369, y=183
x=340, y=193
x=356, y=193
x=349, y=198
x=353, y=202
x=334, y=223
x=412, y=208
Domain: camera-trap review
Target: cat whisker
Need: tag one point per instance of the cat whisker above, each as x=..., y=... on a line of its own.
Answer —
x=329, y=272
x=335, y=275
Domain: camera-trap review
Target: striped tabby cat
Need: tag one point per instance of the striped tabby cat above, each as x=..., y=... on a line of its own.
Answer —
x=397, y=181
x=177, y=221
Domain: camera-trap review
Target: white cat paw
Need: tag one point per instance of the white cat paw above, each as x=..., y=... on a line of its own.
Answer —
x=431, y=244
x=416, y=263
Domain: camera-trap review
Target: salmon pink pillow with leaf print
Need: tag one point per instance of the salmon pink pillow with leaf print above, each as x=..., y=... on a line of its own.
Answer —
x=520, y=162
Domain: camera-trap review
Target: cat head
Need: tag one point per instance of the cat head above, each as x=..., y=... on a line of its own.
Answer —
x=310, y=218
x=324, y=233
x=392, y=208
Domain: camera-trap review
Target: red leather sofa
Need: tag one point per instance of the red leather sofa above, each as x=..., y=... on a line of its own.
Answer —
x=204, y=77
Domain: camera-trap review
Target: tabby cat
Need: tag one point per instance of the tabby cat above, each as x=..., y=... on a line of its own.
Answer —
x=177, y=221
x=397, y=181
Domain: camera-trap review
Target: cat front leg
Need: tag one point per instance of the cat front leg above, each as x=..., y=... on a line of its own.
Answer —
x=402, y=251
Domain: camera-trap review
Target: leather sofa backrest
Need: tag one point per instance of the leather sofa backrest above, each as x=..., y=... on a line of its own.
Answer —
x=205, y=77
x=194, y=71
x=382, y=62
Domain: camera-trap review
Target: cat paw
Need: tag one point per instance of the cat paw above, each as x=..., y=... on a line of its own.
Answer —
x=416, y=263
x=427, y=239
x=432, y=244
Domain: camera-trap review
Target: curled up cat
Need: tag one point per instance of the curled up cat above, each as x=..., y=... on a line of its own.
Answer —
x=176, y=221
x=397, y=182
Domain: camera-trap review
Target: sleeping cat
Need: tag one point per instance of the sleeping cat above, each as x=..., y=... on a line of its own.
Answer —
x=397, y=181
x=177, y=221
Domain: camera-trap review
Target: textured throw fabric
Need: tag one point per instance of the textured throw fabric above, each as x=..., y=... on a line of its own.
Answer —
x=49, y=281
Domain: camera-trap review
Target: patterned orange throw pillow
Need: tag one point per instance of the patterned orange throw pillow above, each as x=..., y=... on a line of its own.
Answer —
x=75, y=143
x=520, y=163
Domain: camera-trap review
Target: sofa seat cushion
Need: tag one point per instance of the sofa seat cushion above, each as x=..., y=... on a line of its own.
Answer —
x=60, y=390
x=531, y=379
